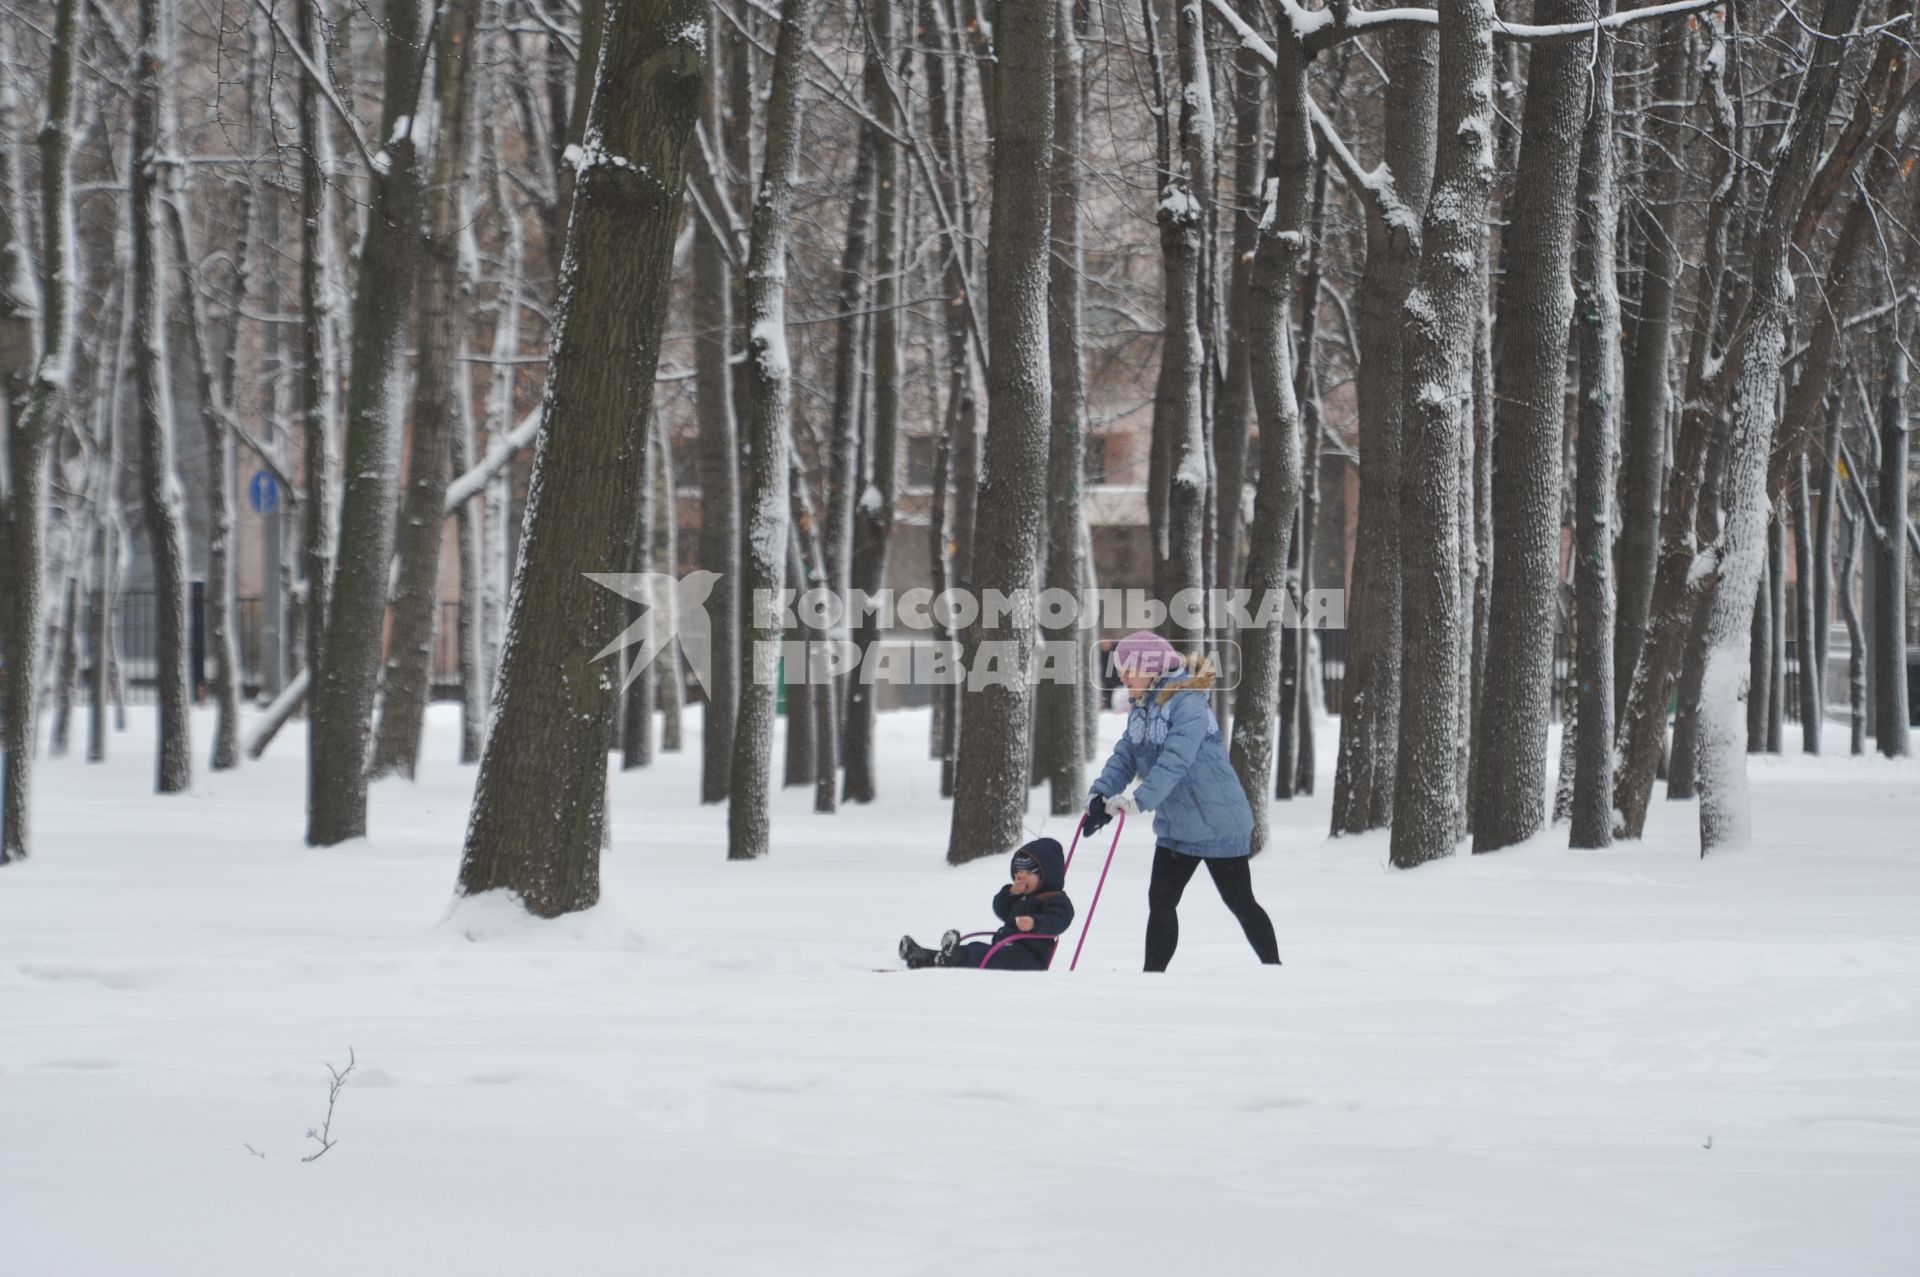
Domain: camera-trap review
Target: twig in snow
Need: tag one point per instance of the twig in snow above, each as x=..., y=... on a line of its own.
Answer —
x=334, y=1087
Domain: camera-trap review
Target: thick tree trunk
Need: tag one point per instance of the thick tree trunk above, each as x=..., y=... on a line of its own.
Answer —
x=1437, y=396
x=1597, y=343
x=1535, y=307
x=1059, y=728
x=160, y=489
x=341, y=701
x=32, y=415
x=1756, y=359
x=770, y=382
x=553, y=706
x=990, y=770
x=1363, y=782
x=441, y=336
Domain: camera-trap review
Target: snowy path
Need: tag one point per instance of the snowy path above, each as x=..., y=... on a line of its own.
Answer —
x=1497, y=1065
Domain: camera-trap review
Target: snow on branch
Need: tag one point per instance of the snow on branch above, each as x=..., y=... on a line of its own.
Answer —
x=1317, y=29
x=325, y=86
x=469, y=485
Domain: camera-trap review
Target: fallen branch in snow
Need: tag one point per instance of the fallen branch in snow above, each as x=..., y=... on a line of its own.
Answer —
x=323, y=1135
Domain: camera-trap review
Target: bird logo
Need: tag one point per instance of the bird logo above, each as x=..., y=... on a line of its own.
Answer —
x=673, y=607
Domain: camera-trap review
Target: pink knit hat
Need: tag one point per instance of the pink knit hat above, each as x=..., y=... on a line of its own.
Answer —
x=1145, y=652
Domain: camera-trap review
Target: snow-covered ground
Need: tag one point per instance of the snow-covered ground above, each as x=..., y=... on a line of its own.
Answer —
x=1619, y=1062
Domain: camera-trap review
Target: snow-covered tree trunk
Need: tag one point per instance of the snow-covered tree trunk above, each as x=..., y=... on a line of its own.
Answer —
x=32, y=415
x=1283, y=238
x=1851, y=535
x=496, y=510
x=1756, y=357
x=1806, y=645
x=1534, y=310
x=1186, y=178
x=717, y=461
x=440, y=336
x=1891, y=715
x=990, y=770
x=553, y=704
x=160, y=491
x=341, y=700
x=1436, y=401
x=1597, y=349
x=472, y=664
x=667, y=559
x=1647, y=389
x=1059, y=726
x=873, y=513
x=1234, y=407
x=218, y=442
x=957, y=484
x=635, y=734
x=764, y=557
x=318, y=354
x=1363, y=783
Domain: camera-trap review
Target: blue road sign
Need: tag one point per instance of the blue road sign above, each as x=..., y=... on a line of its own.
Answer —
x=263, y=492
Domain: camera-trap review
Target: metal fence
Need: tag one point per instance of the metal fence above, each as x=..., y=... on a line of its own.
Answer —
x=137, y=633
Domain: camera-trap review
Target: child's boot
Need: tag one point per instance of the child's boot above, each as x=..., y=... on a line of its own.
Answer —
x=916, y=956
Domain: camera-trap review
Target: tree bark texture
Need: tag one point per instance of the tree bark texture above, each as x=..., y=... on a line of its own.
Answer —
x=1436, y=401
x=540, y=801
x=1059, y=728
x=1597, y=346
x=1535, y=308
x=768, y=437
x=160, y=490
x=990, y=770
x=1363, y=784
x=341, y=701
x=440, y=336
x=32, y=414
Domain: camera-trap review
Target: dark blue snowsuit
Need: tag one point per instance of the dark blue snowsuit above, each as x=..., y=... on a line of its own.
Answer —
x=1051, y=911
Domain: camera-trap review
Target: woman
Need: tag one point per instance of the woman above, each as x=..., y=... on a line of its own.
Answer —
x=1172, y=744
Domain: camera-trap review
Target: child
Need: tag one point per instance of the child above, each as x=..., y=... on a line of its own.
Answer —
x=1032, y=904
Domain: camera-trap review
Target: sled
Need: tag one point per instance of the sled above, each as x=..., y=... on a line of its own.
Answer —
x=1120, y=823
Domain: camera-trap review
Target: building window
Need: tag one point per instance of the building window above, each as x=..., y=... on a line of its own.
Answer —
x=1095, y=470
x=920, y=461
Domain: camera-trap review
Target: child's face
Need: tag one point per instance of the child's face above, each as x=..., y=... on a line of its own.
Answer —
x=1025, y=882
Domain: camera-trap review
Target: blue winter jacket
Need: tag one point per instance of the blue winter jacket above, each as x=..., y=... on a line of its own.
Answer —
x=1173, y=744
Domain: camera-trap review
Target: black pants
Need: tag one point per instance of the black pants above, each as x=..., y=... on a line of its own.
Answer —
x=1232, y=878
x=1021, y=955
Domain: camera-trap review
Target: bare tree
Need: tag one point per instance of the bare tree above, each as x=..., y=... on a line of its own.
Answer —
x=990, y=771
x=769, y=436
x=441, y=333
x=34, y=403
x=553, y=706
x=341, y=700
x=160, y=490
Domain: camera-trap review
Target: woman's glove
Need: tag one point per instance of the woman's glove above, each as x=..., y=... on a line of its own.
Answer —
x=1124, y=805
x=1096, y=817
